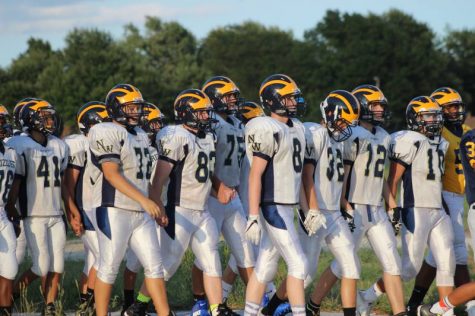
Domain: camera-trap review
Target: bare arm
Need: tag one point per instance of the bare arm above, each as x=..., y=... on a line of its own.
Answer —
x=162, y=173
x=388, y=196
x=395, y=174
x=309, y=186
x=68, y=186
x=258, y=167
x=12, y=212
x=343, y=201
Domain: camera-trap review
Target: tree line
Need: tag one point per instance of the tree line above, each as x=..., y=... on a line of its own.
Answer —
x=394, y=50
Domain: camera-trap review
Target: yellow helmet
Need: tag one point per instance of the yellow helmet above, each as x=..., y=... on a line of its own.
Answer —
x=5, y=123
x=368, y=96
x=39, y=115
x=249, y=110
x=274, y=89
x=424, y=115
x=117, y=100
x=187, y=106
x=217, y=88
x=89, y=114
x=340, y=112
x=447, y=98
x=153, y=121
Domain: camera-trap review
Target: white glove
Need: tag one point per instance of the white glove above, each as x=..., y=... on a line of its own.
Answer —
x=314, y=221
x=253, y=229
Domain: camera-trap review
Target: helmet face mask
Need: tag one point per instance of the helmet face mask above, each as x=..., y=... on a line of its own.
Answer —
x=193, y=109
x=452, y=105
x=47, y=121
x=424, y=115
x=340, y=112
x=133, y=113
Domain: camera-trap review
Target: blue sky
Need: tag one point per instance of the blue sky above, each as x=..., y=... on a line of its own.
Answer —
x=52, y=19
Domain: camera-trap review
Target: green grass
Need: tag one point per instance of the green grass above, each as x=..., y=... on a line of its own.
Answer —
x=179, y=288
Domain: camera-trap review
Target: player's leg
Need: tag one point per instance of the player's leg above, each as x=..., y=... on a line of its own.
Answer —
x=383, y=241
x=56, y=241
x=279, y=222
x=233, y=229
x=459, y=296
x=340, y=242
x=21, y=244
x=9, y=266
x=204, y=244
x=114, y=231
x=144, y=243
x=132, y=267
x=36, y=236
x=441, y=243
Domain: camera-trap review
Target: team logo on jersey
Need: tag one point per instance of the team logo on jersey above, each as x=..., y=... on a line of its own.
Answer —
x=71, y=159
x=309, y=150
x=255, y=146
x=105, y=148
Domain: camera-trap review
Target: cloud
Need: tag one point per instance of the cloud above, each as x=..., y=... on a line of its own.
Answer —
x=53, y=16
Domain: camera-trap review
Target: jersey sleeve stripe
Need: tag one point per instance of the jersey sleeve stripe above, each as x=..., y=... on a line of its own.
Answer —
x=399, y=161
x=167, y=159
x=74, y=166
x=261, y=155
x=109, y=157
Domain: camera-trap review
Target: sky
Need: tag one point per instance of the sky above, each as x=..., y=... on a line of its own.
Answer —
x=52, y=19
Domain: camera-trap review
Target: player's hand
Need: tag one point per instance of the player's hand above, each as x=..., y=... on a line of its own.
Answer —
x=151, y=208
x=225, y=194
x=253, y=229
x=314, y=221
x=76, y=226
x=394, y=215
x=350, y=220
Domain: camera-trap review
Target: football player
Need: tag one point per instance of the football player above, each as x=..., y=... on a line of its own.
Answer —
x=79, y=212
x=453, y=183
x=275, y=146
x=322, y=178
x=9, y=266
x=467, y=151
x=364, y=185
x=152, y=123
x=186, y=162
x=38, y=179
x=124, y=214
x=229, y=215
x=417, y=158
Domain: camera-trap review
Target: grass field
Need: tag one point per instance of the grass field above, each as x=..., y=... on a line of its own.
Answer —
x=179, y=288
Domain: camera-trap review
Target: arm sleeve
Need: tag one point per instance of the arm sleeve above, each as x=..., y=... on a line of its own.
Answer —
x=351, y=148
x=402, y=151
x=315, y=140
x=170, y=148
x=105, y=144
x=77, y=154
x=65, y=159
x=261, y=141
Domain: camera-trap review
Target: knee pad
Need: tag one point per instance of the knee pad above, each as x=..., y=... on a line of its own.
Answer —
x=348, y=263
x=266, y=271
x=154, y=271
x=297, y=268
x=391, y=263
x=212, y=266
x=107, y=274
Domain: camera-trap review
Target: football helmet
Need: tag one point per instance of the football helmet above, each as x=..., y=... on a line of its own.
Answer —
x=17, y=110
x=369, y=96
x=5, y=123
x=273, y=92
x=448, y=99
x=223, y=93
x=193, y=108
x=90, y=114
x=249, y=110
x=424, y=115
x=153, y=120
x=340, y=112
x=39, y=115
x=124, y=104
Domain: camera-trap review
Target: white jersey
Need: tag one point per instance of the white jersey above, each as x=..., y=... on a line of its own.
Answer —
x=327, y=157
x=154, y=158
x=229, y=150
x=130, y=149
x=8, y=165
x=283, y=146
x=193, y=159
x=366, y=152
x=41, y=168
x=424, y=162
x=78, y=148
x=243, y=189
